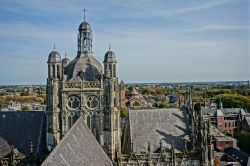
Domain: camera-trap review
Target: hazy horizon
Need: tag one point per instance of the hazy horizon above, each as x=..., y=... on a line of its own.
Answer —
x=141, y=83
x=163, y=41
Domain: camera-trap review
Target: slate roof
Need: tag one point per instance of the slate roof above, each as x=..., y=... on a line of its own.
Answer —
x=110, y=57
x=224, y=111
x=248, y=120
x=238, y=155
x=242, y=112
x=209, y=111
x=152, y=125
x=227, y=111
x=5, y=148
x=54, y=56
x=218, y=135
x=84, y=68
x=21, y=128
x=65, y=62
x=133, y=92
x=78, y=147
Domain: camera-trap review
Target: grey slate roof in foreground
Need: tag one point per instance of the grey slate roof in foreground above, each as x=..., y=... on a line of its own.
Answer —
x=21, y=128
x=152, y=125
x=5, y=148
x=78, y=147
x=238, y=155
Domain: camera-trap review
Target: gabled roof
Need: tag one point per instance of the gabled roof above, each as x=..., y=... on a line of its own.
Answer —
x=242, y=112
x=78, y=147
x=134, y=92
x=5, y=148
x=248, y=120
x=21, y=128
x=153, y=125
x=219, y=113
x=227, y=111
x=122, y=84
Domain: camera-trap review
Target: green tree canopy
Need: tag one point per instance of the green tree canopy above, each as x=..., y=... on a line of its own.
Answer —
x=243, y=141
x=233, y=101
x=123, y=112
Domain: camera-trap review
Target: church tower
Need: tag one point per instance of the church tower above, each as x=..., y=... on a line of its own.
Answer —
x=82, y=87
x=53, y=99
x=111, y=103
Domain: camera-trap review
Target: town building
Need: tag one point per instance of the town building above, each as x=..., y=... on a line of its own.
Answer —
x=122, y=94
x=176, y=100
x=227, y=120
x=14, y=106
x=135, y=100
x=221, y=141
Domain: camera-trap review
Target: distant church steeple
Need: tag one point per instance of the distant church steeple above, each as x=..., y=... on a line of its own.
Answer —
x=221, y=105
x=84, y=36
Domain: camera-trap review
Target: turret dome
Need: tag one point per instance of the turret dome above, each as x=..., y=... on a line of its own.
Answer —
x=110, y=57
x=54, y=57
x=65, y=62
x=84, y=26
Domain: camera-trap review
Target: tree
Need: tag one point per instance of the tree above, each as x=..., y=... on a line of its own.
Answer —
x=123, y=112
x=233, y=101
x=25, y=108
x=243, y=141
x=165, y=104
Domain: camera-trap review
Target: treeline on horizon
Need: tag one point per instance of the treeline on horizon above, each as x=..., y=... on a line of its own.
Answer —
x=230, y=96
x=21, y=99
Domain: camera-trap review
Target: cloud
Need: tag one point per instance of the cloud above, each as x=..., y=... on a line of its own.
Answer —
x=219, y=27
x=26, y=30
x=201, y=7
x=150, y=41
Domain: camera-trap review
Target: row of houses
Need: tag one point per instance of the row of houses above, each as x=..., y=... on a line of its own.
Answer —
x=17, y=106
x=229, y=120
x=225, y=122
x=134, y=100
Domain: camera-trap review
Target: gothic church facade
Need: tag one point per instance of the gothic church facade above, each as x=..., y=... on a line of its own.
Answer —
x=83, y=87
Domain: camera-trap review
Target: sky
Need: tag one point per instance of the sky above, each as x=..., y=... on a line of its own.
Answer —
x=154, y=40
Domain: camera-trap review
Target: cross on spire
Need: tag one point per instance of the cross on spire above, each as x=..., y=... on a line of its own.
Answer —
x=54, y=46
x=84, y=13
x=109, y=46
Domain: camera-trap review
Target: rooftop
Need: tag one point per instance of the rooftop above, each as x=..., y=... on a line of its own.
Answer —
x=153, y=125
x=78, y=147
x=22, y=128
